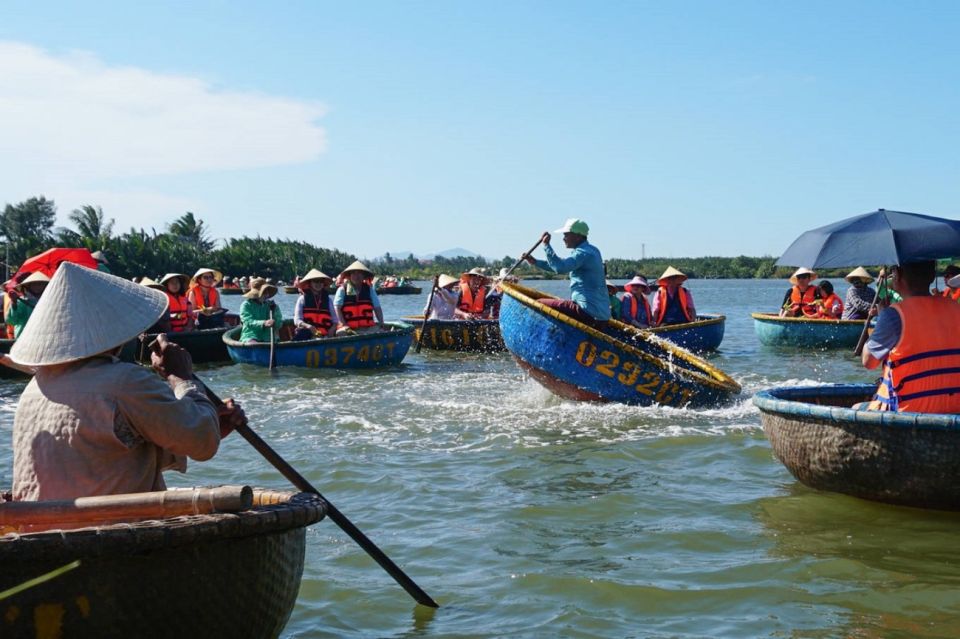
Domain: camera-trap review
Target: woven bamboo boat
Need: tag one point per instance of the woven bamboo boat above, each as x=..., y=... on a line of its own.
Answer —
x=231, y=291
x=620, y=364
x=774, y=330
x=703, y=334
x=473, y=336
x=205, y=346
x=902, y=458
x=291, y=290
x=216, y=575
x=399, y=290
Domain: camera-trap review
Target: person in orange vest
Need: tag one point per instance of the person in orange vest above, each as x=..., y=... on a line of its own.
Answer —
x=472, y=298
x=801, y=299
x=634, y=307
x=205, y=298
x=357, y=304
x=831, y=306
x=181, y=310
x=314, y=314
x=672, y=303
x=917, y=342
x=949, y=290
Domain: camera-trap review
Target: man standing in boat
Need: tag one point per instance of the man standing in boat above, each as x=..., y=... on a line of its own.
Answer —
x=588, y=287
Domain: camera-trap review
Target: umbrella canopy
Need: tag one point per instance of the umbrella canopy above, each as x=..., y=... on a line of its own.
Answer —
x=881, y=237
x=48, y=261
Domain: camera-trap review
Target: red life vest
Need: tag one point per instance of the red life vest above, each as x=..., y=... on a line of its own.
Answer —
x=357, y=309
x=470, y=303
x=178, y=312
x=316, y=311
x=829, y=303
x=922, y=372
x=202, y=300
x=633, y=305
x=685, y=303
x=805, y=300
x=952, y=293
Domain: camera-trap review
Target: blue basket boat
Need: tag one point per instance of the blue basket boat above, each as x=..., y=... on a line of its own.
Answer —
x=774, y=330
x=366, y=350
x=704, y=334
x=623, y=364
x=469, y=336
x=902, y=458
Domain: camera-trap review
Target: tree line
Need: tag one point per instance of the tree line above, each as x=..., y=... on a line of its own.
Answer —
x=186, y=244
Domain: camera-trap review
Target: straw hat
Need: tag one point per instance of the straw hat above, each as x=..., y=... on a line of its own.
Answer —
x=574, y=225
x=33, y=278
x=858, y=274
x=611, y=285
x=100, y=257
x=475, y=271
x=445, y=280
x=356, y=266
x=803, y=270
x=150, y=283
x=259, y=289
x=314, y=274
x=638, y=280
x=507, y=276
x=184, y=280
x=77, y=316
x=217, y=275
x=670, y=272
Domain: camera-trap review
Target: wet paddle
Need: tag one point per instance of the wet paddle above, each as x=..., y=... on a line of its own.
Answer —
x=876, y=295
x=272, y=340
x=338, y=518
x=523, y=259
x=426, y=318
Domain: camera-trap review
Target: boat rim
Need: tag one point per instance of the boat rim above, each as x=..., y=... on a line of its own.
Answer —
x=703, y=319
x=714, y=377
x=403, y=328
x=772, y=317
x=416, y=320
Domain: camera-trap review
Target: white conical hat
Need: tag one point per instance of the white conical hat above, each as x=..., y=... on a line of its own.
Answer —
x=83, y=313
x=33, y=278
x=150, y=283
x=357, y=266
x=670, y=272
x=314, y=274
x=445, y=280
x=217, y=275
x=859, y=273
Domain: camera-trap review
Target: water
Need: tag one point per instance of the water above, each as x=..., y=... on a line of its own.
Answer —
x=527, y=516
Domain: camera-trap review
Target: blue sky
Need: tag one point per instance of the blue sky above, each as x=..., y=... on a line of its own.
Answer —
x=692, y=128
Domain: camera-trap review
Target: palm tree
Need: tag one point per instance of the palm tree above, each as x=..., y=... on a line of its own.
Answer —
x=92, y=227
x=189, y=228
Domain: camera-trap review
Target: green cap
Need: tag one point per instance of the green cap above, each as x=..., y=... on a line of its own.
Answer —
x=574, y=225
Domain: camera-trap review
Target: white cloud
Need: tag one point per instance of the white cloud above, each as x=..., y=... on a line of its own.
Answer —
x=69, y=121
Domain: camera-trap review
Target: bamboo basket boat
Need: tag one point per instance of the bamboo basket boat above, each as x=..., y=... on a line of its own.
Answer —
x=220, y=574
x=703, y=334
x=902, y=458
x=472, y=336
x=773, y=330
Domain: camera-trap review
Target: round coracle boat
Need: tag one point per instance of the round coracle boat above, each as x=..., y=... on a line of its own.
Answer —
x=902, y=458
x=291, y=290
x=363, y=350
x=774, y=330
x=399, y=290
x=204, y=345
x=703, y=334
x=231, y=291
x=619, y=364
x=220, y=574
x=473, y=336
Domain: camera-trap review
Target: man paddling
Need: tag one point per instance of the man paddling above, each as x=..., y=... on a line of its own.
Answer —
x=588, y=287
x=917, y=342
x=89, y=424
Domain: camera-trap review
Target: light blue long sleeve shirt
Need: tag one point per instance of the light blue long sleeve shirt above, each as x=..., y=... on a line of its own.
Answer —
x=588, y=284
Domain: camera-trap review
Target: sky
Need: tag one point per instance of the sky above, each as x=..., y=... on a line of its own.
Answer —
x=673, y=128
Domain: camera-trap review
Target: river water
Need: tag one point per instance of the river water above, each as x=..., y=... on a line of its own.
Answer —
x=527, y=516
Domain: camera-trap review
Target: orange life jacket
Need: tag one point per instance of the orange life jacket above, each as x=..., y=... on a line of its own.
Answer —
x=633, y=305
x=922, y=372
x=685, y=303
x=358, y=309
x=470, y=303
x=205, y=300
x=805, y=300
x=316, y=311
x=952, y=293
x=179, y=304
x=829, y=303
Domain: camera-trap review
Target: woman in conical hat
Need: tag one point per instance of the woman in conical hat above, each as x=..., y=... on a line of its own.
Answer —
x=634, y=307
x=357, y=304
x=23, y=299
x=89, y=424
x=314, y=314
x=672, y=303
x=205, y=298
x=801, y=299
x=258, y=313
x=860, y=296
x=444, y=301
x=181, y=310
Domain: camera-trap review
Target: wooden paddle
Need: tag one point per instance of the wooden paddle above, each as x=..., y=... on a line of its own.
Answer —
x=523, y=259
x=338, y=518
x=426, y=317
x=863, y=335
x=272, y=340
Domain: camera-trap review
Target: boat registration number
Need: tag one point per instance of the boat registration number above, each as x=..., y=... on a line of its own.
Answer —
x=629, y=373
x=347, y=355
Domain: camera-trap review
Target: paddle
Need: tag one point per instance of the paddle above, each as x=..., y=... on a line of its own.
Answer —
x=863, y=335
x=523, y=259
x=338, y=518
x=272, y=340
x=426, y=318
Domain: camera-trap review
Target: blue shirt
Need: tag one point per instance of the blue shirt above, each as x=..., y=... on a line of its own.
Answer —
x=885, y=334
x=588, y=283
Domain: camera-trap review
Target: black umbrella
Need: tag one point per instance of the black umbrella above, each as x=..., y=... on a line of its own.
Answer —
x=881, y=237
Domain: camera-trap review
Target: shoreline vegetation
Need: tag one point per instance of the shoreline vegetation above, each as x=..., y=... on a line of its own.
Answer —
x=186, y=244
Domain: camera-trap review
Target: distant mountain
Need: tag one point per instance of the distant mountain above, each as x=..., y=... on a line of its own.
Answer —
x=449, y=253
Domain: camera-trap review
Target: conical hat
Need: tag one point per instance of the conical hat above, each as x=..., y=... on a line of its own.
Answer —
x=184, y=281
x=217, y=275
x=445, y=280
x=78, y=316
x=314, y=274
x=803, y=270
x=34, y=277
x=670, y=272
x=356, y=266
x=858, y=273
x=149, y=283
